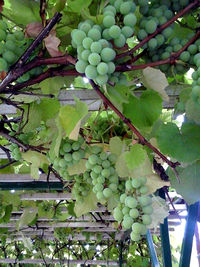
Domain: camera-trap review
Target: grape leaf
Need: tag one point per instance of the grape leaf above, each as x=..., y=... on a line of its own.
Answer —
x=77, y=168
x=116, y=145
x=192, y=109
x=37, y=160
x=71, y=115
x=160, y=211
x=182, y=145
x=156, y=80
x=78, y=5
x=135, y=157
x=88, y=204
x=27, y=242
x=27, y=217
x=13, y=10
x=143, y=112
x=118, y=95
x=189, y=186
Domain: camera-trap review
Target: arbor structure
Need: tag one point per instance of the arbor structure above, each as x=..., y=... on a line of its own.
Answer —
x=90, y=92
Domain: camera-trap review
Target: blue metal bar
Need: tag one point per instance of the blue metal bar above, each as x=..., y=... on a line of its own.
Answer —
x=152, y=251
x=36, y=185
x=188, y=235
x=164, y=233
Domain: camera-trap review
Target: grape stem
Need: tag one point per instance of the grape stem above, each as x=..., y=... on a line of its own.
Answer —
x=159, y=29
x=22, y=60
x=142, y=140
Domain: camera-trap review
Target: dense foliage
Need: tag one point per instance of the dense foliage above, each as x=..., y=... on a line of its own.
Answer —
x=137, y=56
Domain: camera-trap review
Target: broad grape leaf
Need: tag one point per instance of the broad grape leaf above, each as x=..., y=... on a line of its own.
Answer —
x=189, y=186
x=183, y=145
x=135, y=157
x=5, y=217
x=192, y=109
x=45, y=211
x=77, y=168
x=88, y=204
x=156, y=80
x=143, y=111
x=71, y=115
x=116, y=145
x=52, y=43
x=22, y=11
x=59, y=6
x=37, y=160
x=27, y=217
x=118, y=95
x=78, y=5
x=160, y=211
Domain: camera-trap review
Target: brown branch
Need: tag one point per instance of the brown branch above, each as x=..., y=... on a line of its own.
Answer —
x=43, y=5
x=160, y=29
x=10, y=76
x=7, y=164
x=142, y=140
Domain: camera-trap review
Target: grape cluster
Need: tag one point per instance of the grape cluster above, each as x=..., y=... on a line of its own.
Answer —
x=105, y=180
x=70, y=152
x=81, y=186
x=134, y=209
x=174, y=45
x=196, y=78
x=96, y=44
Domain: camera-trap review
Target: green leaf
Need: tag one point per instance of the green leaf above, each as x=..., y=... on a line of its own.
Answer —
x=192, y=109
x=45, y=210
x=7, y=213
x=78, y=5
x=135, y=157
x=182, y=145
x=116, y=146
x=189, y=186
x=27, y=217
x=77, y=168
x=118, y=95
x=52, y=85
x=70, y=116
x=27, y=242
x=22, y=11
x=37, y=160
x=143, y=112
x=88, y=204
x=46, y=109
x=156, y=80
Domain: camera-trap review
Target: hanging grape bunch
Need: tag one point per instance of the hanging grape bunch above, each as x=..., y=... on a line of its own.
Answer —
x=70, y=152
x=100, y=166
x=81, y=186
x=135, y=209
x=97, y=45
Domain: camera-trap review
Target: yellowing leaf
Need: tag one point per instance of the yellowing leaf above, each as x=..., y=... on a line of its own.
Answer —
x=88, y=204
x=135, y=157
x=156, y=80
x=77, y=168
x=116, y=145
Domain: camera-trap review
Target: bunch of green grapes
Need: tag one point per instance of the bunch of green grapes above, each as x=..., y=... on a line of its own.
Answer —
x=135, y=208
x=70, y=152
x=81, y=186
x=96, y=44
x=105, y=180
x=196, y=79
x=174, y=45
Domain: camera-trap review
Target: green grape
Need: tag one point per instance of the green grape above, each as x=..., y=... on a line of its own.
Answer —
x=136, y=183
x=134, y=213
x=98, y=187
x=127, y=31
x=19, y=35
x=85, y=54
x=94, y=34
x=108, y=13
x=97, y=169
x=125, y=8
x=127, y=222
x=108, y=54
x=135, y=237
x=2, y=35
x=76, y=145
x=96, y=149
x=94, y=59
x=102, y=68
x=104, y=43
x=117, y=5
x=3, y=25
x=148, y=210
x=108, y=21
x=101, y=179
x=93, y=159
x=111, y=67
x=122, y=198
x=91, y=72
x=113, y=187
x=145, y=200
x=111, y=9
x=185, y=56
x=87, y=42
x=144, y=190
x=196, y=57
x=67, y=147
x=142, y=2
x=115, y=31
x=131, y=202
x=130, y=20
x=107, y=192
x=96, y=47
x=85, y=27
x=192, y=49
x=68, y=157
x=106, y=164
x=78, y=36
x=103, y=155
x=146, y=219
x=76, y=156
x=125, y=210
x=150, y=26
x=62, y=163
x=167, y=32
x=160, y=39
x=105, y=173
x=137, y=228
x=102, y=79
x=106, y=34
x=1, y=48
x=100, y=196
x=112, y=158
x=152, y=43
x=120, y=42
x=3, y=65
x=128, y=185
x=118, y=215
x=10, y=45
x=81, y=66
x=10, y=37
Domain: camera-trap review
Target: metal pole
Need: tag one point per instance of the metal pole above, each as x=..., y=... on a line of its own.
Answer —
x=31, y=186
x=152, y=251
